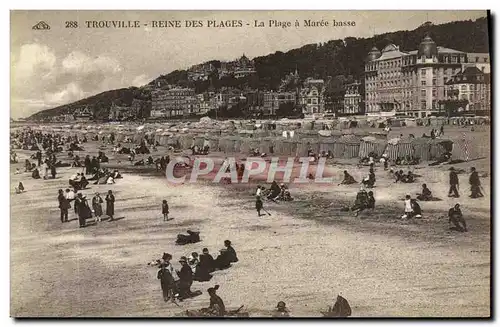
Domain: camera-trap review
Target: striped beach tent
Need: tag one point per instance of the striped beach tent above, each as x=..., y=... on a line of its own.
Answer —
x=248, y=144
x=199, y=140
x=438, y=147
x=173, y=141
x=326, y=144
x=371, y=144
x=347, y=147
x=285, y=147
x=304, y=145
x=462, y=150
x=421, y=148
x=399, y=148
x=267, y=145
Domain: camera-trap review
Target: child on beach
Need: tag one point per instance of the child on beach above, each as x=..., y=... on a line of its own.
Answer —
x=164, y=210
x=408, y=208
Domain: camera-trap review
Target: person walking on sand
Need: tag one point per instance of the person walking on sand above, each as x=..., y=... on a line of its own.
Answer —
x=164, y=210
x=63, y=206
x=453, y=192
x=97, y=206
x=475, y=184
x=110, y=205
x=258, y=205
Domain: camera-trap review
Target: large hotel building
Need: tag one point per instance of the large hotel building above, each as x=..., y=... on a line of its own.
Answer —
x=411, y=83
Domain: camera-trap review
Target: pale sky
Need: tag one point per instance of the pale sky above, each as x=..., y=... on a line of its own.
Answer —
x=62, y=65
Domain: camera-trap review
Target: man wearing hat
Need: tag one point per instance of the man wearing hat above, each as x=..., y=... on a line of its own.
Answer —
x=281, y=310
x=475, y=184
x=185, y=279
x=453, y=184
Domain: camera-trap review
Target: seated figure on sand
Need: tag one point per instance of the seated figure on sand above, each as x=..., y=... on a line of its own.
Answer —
x=285, y=193
x=341, y=308
x=361, y=202
x=456, y=218
x=205, y=267
x=216, y=307
x=348, y=179
x=426, y=194
x=281, y=311
x=275, y=191
x=408, y=178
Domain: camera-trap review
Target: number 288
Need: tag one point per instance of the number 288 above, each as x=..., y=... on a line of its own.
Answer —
x=71, y=24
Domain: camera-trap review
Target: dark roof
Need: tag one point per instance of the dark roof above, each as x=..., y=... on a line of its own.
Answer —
x=470, y=75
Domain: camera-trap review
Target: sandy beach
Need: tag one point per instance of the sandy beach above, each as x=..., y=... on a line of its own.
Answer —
x=305, y=253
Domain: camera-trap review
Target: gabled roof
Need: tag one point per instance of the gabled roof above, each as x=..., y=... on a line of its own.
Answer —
x=468, y=76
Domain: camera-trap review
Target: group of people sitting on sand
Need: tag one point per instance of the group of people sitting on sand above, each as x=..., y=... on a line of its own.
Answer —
x=177, y=283
x=405, y=161
x=78, y=181
x=196, y=150
x=400, y=176
x=105, y=176
x=368, y=181
x=161, y=163
x=326, y=154
x=48, y=168
x=275, y=192
x=364, y=200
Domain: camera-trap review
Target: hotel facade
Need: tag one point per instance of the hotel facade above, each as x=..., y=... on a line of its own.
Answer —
x=411, y=83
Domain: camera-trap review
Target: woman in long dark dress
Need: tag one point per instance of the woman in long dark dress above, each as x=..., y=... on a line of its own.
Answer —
x=204, y=267
x=84, y=211
x=110, y=205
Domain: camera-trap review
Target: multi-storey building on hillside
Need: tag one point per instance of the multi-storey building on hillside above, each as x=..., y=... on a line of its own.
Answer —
x=312, y=96
x=353, y=99
x=470, y=91
x=238, y=68
x=410, y=82
x=174, y=102
x=273, y=101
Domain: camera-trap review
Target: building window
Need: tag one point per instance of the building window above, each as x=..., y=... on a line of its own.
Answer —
x=424, y=83
x=423, y=93
x=422, y=72
x=423, y=105
x=434, y=81
x=434, y=92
